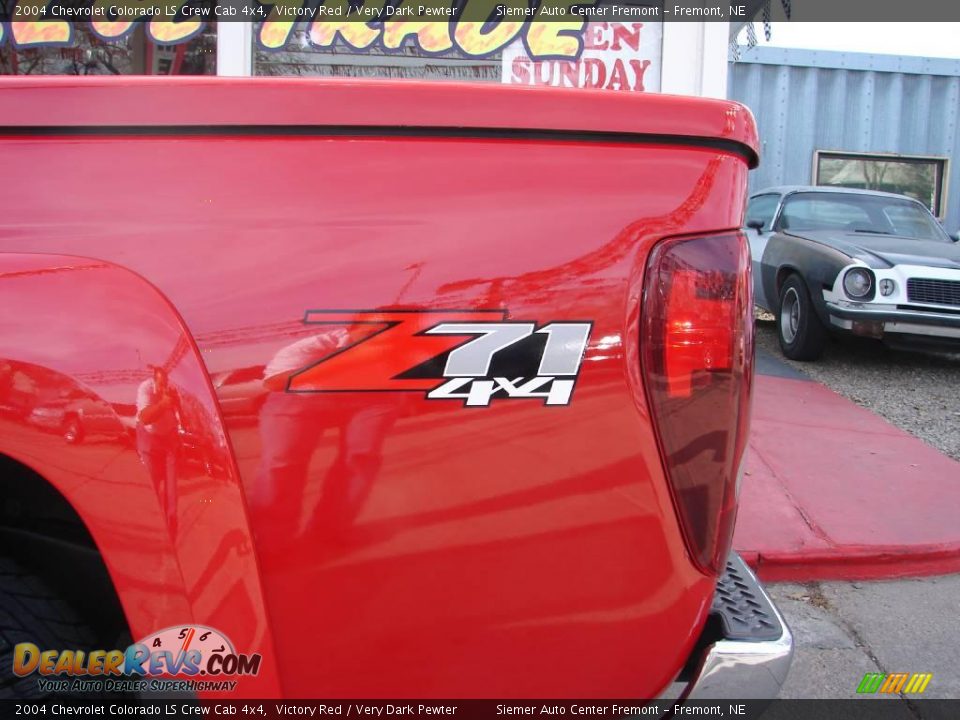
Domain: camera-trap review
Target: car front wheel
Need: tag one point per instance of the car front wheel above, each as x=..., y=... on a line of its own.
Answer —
x=802, y=335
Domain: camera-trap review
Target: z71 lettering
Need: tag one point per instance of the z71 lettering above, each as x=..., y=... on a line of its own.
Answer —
x=475, y=356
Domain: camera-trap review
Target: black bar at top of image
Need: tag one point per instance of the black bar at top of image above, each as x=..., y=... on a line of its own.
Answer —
x=847, y=11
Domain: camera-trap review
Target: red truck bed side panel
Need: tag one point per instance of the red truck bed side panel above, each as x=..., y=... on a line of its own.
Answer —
x=511, y=550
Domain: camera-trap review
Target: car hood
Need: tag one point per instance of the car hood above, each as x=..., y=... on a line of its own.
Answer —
x=881, y=251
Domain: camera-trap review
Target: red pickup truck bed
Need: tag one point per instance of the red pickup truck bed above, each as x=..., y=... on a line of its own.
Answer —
x=419, y=389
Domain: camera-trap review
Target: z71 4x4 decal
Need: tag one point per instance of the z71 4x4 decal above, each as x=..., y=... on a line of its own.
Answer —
x=471, y=355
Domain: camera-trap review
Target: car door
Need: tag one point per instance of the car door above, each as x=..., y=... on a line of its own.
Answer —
x=761, y=210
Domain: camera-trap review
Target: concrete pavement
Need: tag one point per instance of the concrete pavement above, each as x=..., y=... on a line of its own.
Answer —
x=843, y=630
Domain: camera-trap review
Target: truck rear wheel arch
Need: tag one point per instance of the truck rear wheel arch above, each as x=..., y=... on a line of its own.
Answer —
x=143, y=517
x=43, y=534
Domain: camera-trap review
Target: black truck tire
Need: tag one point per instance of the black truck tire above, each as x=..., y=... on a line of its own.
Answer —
x=30, y=612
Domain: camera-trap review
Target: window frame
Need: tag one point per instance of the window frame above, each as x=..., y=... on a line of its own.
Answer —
x=776, y=209
x=235, y=49
x=941, y=193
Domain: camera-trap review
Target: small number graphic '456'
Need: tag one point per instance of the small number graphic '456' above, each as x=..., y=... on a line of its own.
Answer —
x=471, y=355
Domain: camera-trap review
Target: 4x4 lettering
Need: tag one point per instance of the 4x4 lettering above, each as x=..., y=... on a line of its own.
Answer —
x=479, y=393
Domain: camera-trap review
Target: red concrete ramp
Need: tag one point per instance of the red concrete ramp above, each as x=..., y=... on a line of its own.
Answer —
x=834, y=491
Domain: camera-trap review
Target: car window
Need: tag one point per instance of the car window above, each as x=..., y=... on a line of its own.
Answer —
x=860, y=213
x=910, y=220
x=762, y=208
x=813, y=213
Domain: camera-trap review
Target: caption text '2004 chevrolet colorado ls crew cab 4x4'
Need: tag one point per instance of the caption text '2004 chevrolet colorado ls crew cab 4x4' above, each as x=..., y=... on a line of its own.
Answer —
x=369, y=389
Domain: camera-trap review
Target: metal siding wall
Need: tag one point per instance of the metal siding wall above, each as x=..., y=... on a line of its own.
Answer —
x=806, y=101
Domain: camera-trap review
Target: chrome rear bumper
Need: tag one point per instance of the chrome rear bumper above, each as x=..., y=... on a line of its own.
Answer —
x=747, y=646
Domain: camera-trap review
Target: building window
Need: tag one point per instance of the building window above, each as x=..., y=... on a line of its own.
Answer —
x=921, y=178
x=297, y=51
x=135, y=51
x=619, y=56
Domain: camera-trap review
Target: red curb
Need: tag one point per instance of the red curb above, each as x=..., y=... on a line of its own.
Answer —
x=832, y=491
x=856, y=564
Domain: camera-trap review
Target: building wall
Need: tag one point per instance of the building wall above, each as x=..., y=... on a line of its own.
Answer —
x=808, y=100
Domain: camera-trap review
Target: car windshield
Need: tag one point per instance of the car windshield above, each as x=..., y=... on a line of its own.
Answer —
x=868, y=214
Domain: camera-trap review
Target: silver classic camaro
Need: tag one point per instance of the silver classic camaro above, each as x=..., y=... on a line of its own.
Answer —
x=875, y=264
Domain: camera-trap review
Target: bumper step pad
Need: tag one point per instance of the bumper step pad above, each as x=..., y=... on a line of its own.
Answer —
x=744, y=610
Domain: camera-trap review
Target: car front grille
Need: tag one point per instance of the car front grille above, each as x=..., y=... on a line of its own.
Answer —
x=933, y=292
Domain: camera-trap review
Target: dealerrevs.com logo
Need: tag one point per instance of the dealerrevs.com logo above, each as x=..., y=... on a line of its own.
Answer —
x=190, y=658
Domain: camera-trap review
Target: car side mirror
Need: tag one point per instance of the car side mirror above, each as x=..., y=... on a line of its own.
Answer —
x=755, y=224
x=955, y=236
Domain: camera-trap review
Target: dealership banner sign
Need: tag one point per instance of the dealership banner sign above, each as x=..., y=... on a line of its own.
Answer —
x=612, y=48
x=614, y=56
x=464, y=28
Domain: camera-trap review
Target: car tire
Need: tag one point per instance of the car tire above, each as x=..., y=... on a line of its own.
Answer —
x=30, y=612
x=802, y=335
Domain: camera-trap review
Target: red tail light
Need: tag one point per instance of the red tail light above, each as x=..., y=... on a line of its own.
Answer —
x=697, y=355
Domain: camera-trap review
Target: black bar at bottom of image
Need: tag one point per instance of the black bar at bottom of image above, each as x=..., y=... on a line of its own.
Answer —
x=872, y=708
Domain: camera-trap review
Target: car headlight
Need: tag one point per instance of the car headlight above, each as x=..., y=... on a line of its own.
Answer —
x=887, y=287
x=858, y=282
